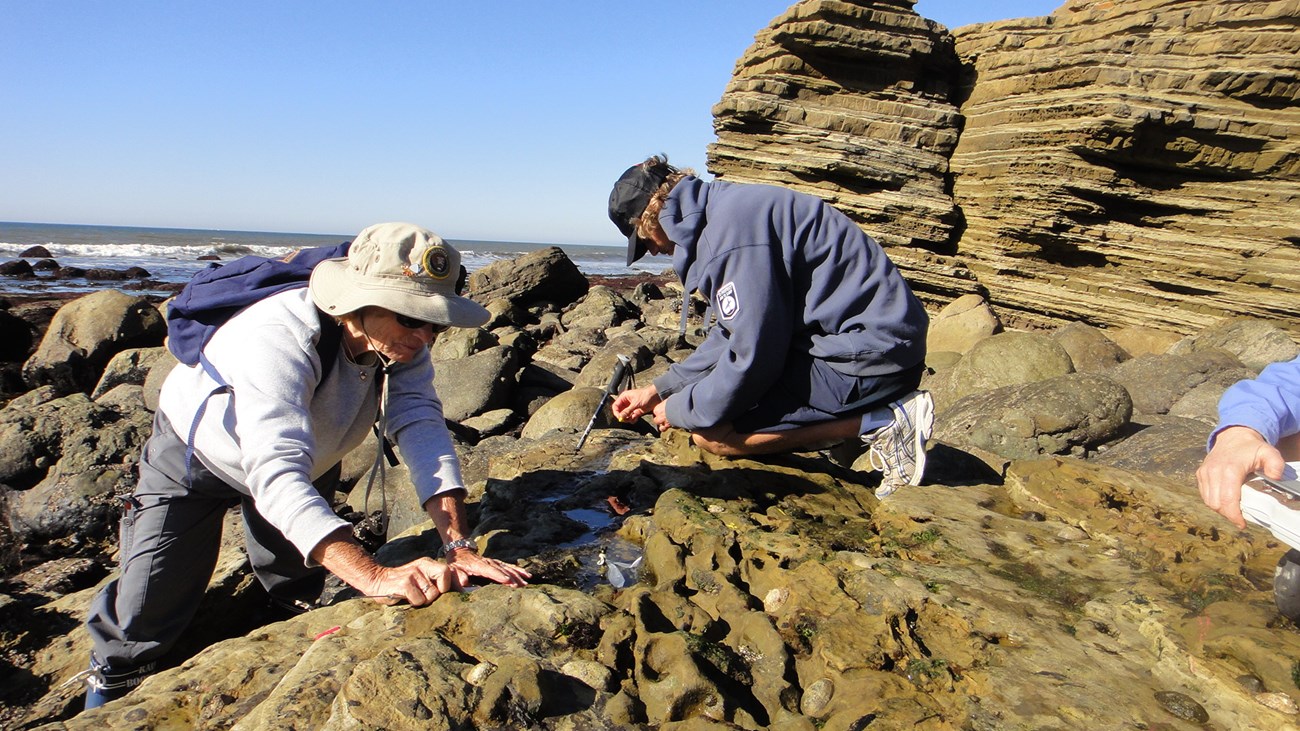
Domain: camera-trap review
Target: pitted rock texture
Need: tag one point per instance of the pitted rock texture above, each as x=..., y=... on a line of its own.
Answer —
x=775, y=597
x=1120, y=163
x=1014, y=589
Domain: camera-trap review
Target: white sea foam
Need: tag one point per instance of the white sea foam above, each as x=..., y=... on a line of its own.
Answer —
x=145, y=251
x=172, y=256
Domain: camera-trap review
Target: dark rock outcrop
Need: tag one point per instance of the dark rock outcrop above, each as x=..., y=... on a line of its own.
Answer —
x=115, y=275
x=17, y=268
x=69, y=272
x=73, y=456
x=1058, y=415
x=547, y=276
x=86, y=333
x=16, y=338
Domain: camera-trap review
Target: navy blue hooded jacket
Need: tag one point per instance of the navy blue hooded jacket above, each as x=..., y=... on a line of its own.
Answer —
x=783, y=272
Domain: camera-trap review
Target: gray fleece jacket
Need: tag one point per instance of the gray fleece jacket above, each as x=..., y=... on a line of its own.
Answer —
x=282, y=427
x=783, y=272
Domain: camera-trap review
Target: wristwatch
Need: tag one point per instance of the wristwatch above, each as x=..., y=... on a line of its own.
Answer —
x=459, y=544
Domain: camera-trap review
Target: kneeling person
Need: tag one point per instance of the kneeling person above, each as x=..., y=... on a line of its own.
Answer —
x=817, y=339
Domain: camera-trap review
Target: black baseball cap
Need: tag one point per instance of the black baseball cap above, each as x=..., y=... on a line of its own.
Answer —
x=631, y=195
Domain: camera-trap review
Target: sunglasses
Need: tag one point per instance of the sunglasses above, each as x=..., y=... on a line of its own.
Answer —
x=410, y=323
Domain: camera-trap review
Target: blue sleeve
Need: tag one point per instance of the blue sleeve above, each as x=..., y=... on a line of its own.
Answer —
x=752, y=301
x=1269, y=403
x=695, y=366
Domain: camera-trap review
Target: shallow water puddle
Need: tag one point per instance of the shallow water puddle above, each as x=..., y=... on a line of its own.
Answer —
x=596, y=555
x=596, y=522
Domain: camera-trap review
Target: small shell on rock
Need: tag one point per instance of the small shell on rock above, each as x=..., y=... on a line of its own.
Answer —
x=775, y=599
x=1251, y=683
x=1278, y=702
x=816, y=698
x=478, y=674
x=715, y=509
x=1182, y=706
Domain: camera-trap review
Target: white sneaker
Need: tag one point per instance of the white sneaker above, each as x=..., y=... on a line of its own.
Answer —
x=898, y=450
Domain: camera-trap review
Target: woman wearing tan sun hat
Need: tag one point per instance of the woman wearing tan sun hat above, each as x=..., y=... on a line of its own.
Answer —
x=273, y=440
x=399, y=267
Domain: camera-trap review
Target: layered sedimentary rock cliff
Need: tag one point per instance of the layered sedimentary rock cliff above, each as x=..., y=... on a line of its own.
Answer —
x=1120, y=163
x=854, y=102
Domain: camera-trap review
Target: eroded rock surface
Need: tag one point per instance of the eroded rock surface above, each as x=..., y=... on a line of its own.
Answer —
x=675, y=589
x=774, y=596
x=1129, y=163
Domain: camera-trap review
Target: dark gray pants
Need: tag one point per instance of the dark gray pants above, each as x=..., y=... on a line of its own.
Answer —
x=810, y=392
x=170, y=537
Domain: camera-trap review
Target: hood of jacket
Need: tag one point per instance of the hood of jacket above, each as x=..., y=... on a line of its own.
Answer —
x=683, y=219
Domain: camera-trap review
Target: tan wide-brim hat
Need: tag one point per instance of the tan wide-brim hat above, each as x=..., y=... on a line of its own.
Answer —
x=400, y=267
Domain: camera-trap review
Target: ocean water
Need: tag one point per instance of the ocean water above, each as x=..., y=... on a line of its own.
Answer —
x=171, y=255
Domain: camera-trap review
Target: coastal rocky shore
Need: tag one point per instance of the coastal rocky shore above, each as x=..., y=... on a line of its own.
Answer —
x=1098, y=208
x=1055, y=570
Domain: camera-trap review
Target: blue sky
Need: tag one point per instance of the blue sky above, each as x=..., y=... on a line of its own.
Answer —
x=499, y=121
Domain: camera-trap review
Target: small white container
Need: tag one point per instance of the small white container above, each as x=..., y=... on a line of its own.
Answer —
x=1275, y=504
